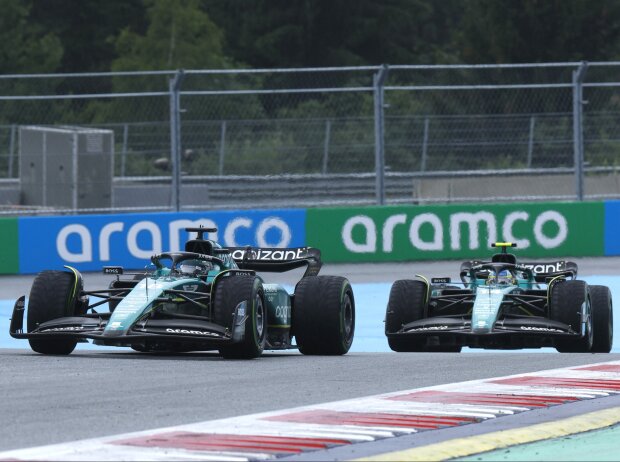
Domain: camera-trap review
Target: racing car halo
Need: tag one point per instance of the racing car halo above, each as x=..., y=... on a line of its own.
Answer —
x=206, y=297
x=501, y=304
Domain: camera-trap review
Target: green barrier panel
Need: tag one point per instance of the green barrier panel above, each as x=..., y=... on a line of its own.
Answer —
x=9, y=255
x=401, y=233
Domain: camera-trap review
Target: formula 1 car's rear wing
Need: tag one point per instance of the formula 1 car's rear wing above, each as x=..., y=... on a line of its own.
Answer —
x=275, y=259
x=542, y=271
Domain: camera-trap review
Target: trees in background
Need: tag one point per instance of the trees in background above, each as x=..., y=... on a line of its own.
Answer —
x=91, y=35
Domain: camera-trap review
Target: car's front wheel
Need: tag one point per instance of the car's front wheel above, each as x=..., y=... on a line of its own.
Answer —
x=566, y=304
x=602, y=319
x=53, y=295
x=405, y=305
x=229, y=293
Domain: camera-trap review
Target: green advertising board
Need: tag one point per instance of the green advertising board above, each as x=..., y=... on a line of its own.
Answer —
x=9, y=257
x=402, y=233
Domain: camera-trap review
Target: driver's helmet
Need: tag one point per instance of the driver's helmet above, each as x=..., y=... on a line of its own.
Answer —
x=504, y=278
x=194, y=266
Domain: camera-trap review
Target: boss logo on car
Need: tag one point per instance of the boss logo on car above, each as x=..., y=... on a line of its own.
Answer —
x=441, y=280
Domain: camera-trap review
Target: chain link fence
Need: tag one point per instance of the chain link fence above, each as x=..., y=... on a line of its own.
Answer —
x=202, y=139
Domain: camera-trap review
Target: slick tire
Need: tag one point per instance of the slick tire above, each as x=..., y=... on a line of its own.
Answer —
x=405, y=305
x=566, y=300
x=602, y=319
x=323, y=315
x=229, y=292
x=53, y=295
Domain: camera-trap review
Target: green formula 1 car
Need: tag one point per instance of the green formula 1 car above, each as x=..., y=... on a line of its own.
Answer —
x=206, y=297
x=501, y=304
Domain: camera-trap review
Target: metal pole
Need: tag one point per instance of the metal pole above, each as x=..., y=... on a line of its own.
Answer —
x=222, y=147
x=578, y=76
x=12, y=150
x=530, y=144
x=75, y=177
x=328, y=130
x=124, y=149
x=378, y=81
x=175, y=138
x=424, y=146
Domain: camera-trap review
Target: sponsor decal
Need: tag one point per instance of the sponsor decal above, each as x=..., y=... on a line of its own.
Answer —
x=283, y=311
x=441, y=280
x=541, y=329
x=189, y=331
x=546, y=267
x=270, y=254
x=60, y=329
x=190, y=287
x=112, y=270
x=429, y=328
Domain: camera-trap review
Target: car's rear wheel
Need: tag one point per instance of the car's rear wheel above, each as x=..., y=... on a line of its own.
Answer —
x=323, y=315
x=602, y=319
x=405, y=305
x=229, y=293
x=565, y=305
x=53, y=295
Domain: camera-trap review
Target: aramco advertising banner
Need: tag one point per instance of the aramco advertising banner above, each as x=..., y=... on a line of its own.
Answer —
x=401, y=233
x=88, y=242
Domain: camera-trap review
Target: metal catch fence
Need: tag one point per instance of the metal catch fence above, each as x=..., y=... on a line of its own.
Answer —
x=200, y=139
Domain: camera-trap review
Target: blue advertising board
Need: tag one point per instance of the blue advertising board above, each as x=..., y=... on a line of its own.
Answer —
x=88, y=242
x=612, y=226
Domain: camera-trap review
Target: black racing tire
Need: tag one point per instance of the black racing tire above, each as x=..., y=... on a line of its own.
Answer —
x=229, y=292
x=323, y=315
x=602, y=319
x=565, y=304
x=53, y=295
x=406, y=304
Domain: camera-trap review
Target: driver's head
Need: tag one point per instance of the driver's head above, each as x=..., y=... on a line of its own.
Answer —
x=194, y=267
x=504, y=277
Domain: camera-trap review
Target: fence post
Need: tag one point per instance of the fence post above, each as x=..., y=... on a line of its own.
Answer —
x=378, y=81
x=175, y=137
x=424, y=159
x=326, y=141
x=12, y=149
x=222, y=153
x=578, y=76
x=124, y=149
x=530, y=142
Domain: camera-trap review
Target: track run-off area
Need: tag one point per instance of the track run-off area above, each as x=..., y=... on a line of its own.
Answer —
x=103, y=403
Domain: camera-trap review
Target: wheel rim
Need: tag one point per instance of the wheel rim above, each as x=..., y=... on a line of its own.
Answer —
x=260, y=316
x=589, y=326
x=348, y=317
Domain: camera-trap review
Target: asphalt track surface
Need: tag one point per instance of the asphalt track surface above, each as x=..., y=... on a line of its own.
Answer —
x=95, y=393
